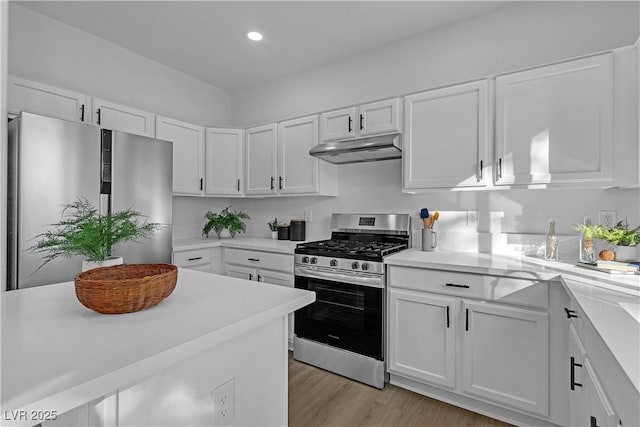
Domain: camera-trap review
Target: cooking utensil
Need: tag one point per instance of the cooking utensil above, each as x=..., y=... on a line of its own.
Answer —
x=424, y=214
x=434, y=218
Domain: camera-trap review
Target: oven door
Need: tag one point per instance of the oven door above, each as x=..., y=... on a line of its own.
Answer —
x=348, y=311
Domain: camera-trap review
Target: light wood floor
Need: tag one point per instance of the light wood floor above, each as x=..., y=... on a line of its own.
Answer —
x=321, y=398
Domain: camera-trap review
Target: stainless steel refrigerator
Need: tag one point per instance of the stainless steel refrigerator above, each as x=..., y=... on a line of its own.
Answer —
x=54, y=162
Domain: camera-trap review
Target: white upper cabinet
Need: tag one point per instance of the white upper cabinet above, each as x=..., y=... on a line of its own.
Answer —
x=261, y=159
x=115, y=116
x=445, y=138
x=337, y=125
x=368, y=119
x=554, y=124
x=41, y=98
x=297, y=170
x=188, y=154
x=224, y=163
x=379, y=117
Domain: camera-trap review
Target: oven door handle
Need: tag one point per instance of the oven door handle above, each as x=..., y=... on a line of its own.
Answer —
x=370, y=281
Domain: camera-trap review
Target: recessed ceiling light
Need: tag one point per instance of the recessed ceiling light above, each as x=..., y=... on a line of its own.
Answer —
x=254, y=35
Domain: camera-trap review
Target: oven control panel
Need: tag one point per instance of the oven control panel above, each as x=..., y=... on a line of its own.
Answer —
x=340, y=263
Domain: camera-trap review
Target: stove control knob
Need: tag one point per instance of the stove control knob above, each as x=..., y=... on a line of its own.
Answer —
x=333, y=263
x=314, y=260
x=355, y=265
x=305, y=259
x=365, y=265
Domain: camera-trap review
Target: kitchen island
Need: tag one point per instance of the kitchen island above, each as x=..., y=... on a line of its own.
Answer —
x=63, y=364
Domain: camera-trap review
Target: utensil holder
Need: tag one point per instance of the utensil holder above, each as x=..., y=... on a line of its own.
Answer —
x=429, y=239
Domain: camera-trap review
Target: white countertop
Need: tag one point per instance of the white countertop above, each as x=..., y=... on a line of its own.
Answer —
x=57, y=354
x=251, y=243
x=611, y=302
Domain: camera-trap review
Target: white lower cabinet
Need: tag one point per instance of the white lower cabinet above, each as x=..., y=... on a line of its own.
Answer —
x=208, y=260
x=449, y=334
x=588, y=404
x=505, y=356
x=422, y=337
x=265, y=267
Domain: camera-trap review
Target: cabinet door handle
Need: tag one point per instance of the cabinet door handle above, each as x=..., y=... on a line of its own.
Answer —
x=201, y=183
x=272, y=187
x=238, y=184
x=99, y=119
x=194, y=258
x=82, y=113
x=455, y=285
x=500, y=168
x=350, y=120
x=594, y=422
x=572, y=371
x=280, y=184
x=361, y=121
x=480, y=171
x=259, y=278
x=448, y=321
x=253, y=259
x=466, y=323
x=250, y=276
x=570, y=313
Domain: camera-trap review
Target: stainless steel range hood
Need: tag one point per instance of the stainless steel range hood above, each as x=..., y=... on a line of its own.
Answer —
x=372, y=149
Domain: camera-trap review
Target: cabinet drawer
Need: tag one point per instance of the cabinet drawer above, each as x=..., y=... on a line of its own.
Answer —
x=192, y=258
x=257, y=259
x=531, y=293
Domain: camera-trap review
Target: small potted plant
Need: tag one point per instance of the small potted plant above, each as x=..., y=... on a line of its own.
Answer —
x=273, y=226
x=83, y=230
x=227, y=219
x=624, y=241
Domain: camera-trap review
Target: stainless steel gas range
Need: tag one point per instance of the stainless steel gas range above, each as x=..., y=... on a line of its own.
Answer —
x=343, y=331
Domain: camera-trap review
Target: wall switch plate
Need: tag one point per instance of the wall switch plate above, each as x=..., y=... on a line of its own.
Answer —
x=223, y=403
x=307, y=215
x=472, y=218
x=607, y=218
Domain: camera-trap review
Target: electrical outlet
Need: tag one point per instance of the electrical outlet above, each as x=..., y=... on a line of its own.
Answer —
x=607, y=218
x=223, y=403
x=307, y=215
x=472, y=218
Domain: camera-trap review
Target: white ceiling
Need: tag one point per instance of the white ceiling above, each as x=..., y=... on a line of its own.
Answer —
x=206, y=39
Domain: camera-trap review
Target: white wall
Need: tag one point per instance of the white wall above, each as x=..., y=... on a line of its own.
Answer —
x=507, y=39
x=57, y=53
x=4, y=36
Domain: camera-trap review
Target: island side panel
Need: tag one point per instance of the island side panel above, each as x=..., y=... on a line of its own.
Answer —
x=181, y=395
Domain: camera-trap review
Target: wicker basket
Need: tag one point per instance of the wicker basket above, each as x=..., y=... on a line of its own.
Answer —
x=125, y=288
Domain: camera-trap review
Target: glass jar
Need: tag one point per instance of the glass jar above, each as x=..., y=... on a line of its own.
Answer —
x=551, y=248
x=587, y=246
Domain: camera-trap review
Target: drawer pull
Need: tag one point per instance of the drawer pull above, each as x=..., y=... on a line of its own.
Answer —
x=253, y=259
x=194, y=258
x=570, y=313
x=454, y=285
x=448, y=322
x=574, y=384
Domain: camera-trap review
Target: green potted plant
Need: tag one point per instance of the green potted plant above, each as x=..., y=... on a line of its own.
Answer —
x=82, y=230
x=227, y=219
x=623, y=240
x=273, y=226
